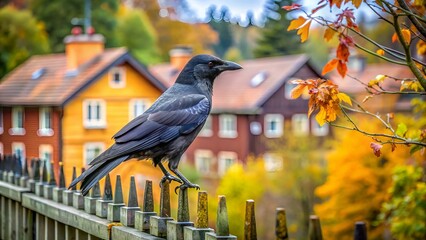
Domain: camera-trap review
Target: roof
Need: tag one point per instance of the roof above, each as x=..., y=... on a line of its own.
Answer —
x=235, y=91
x=369, y=73
x=56, y=86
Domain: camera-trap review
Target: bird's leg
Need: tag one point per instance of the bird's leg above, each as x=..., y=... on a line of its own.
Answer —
x=186, y=183
x=167, y=175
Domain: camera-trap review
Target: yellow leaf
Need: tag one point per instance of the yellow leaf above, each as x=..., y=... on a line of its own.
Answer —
x=380, y=52
x=357, y=3
x=328, y=34
x=296, y=23
x=297, y=91
x=304, y=31
x=344, y=98
x=321, y=116
x=406, y=34
x=421, y=47
x=380, y=78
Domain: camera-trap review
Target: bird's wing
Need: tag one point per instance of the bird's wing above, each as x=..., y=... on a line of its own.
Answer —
x=168, y=121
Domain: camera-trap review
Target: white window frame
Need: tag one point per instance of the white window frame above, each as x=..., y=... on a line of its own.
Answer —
x=16, y=129
x=1, y=149
x=274, y=133
x=224, y=156
x=122, y=73
x=273, y=162
x=228, y=126
x=94, y=123
x=304, y=127
x=21, y=146
x=45, y=130
x=42, y=150
x=140, y=102
x=200, y=156
x=207, y=130
x=318, y=130
x=1, y=121
x=90, y=146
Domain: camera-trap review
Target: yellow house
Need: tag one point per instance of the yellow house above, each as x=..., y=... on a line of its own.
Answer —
x=71, y=104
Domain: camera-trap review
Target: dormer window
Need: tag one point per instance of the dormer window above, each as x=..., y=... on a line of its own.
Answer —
x=117, y=77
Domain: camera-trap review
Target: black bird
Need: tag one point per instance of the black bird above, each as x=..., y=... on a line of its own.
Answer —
x=167, y=128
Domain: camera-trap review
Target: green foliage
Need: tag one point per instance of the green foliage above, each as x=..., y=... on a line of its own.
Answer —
x=274, y=39
x=135, y=23
x=20, y=37
x=405, y=211
x=57, y=16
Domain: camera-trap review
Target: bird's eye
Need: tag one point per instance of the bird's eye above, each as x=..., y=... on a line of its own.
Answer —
x=211, y=64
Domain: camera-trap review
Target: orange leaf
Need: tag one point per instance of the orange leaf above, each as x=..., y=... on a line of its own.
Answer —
x=342, y=52
x=296, y=23
x=293, y=6
x=406, y=34
x=380, y=52
x=297, y=91
x=394, y=37
x=332, y=64
x=328, y=34
x=357, y=3
x=342, y=68
x=304, y=32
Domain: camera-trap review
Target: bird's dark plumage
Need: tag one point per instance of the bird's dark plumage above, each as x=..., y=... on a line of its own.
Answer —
x=167, y=128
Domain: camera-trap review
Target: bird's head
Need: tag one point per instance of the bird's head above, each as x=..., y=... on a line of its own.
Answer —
x=205, y=67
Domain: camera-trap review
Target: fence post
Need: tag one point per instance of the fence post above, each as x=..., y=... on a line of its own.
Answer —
x=158, y=224
x=114, y=207
x=35, y=174
x=102, y=204
x=314, y=232
x=23, y=181
x=90, y=201
x=58, y=191
x=175, y=228
x=48, y=188
x=281, y=231
x=222, y=223
x=360, y=232
x=201, y=224
x=77, y=198
x=142, y=218
x=250, y=221
x=39, y=185
x=127, y=214
x=67, y=194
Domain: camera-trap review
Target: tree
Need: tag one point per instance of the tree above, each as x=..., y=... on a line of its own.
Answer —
x=20, y=37
x=57, y=16
x=273, y=40
x=136, y=23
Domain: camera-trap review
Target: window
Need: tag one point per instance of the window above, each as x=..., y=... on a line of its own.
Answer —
x=300, y=124
x=17, y=121
x=92, y=150
x=228, y=126
x=94, y=113
x=226, y=160
x=45, y=122
x=203, y=160
x=274, y=125
x=45, y=152
x=1, y=149
x=207, y=130
x=137, y=107
x=18, y=149
x=289, y=86
x=318, y=130
x=273, y=162
x=1, y=121
x=117, y=77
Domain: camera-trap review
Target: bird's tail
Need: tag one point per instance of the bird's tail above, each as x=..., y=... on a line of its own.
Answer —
x=95, y=173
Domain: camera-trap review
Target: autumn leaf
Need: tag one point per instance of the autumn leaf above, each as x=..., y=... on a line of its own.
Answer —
x=293, y=6
x=342, y=52
x=342, y=68
x=357, y=3
x=304, y=32
x=413, y=85
x=297, y=91
x=380, y=52
x=376, y=148
x=401, y=130
x=321, y=116
x=296, y=23
x=332, y=64
x=394, y=37
x=344, y=98
x=406, y=34
x=328, y=34
x=421, y=47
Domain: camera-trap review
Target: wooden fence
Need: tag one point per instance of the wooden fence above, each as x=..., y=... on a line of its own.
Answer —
x=35, y=207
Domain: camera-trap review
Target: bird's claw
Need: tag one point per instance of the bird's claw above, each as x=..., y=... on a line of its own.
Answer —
x=169, y=178
x=187, y=185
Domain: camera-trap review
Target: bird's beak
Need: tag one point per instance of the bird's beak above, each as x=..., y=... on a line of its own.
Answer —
x=228, y=65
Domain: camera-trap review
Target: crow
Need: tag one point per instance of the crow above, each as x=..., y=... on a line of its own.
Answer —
x=166, y=129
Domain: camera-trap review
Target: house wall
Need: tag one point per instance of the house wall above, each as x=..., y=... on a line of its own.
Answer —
x=75, y=135
x=31, y=139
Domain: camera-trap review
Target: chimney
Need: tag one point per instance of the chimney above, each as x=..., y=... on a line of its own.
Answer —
x=179, y=56
x=80, y=48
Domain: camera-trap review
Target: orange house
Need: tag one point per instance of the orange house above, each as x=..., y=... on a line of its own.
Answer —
x=66, y=107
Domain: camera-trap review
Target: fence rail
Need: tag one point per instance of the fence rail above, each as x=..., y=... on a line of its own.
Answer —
x=35, y=207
